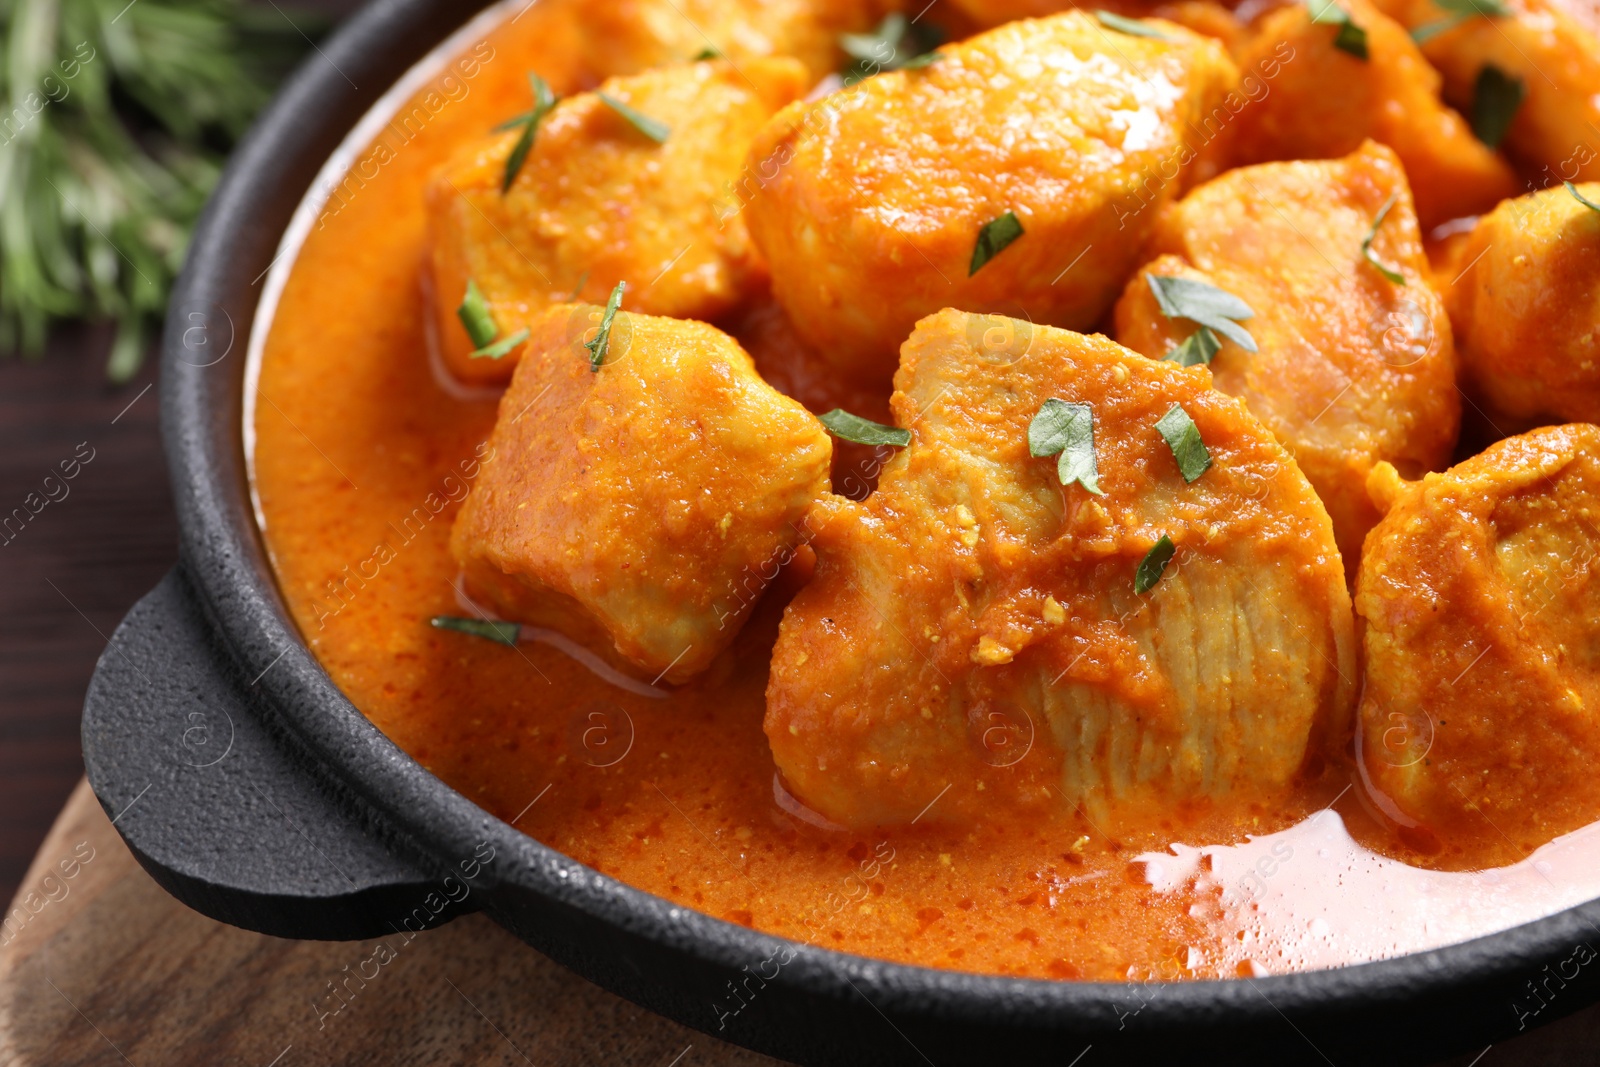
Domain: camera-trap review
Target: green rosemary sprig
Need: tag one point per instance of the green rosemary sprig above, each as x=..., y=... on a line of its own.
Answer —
x=115, y=119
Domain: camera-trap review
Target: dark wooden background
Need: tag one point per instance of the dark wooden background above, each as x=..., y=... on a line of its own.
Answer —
x=76, y=568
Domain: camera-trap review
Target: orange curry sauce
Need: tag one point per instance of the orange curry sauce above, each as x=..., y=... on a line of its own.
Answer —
x=361, y=460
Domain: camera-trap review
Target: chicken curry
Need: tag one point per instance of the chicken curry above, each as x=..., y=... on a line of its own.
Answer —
x=1069, y=493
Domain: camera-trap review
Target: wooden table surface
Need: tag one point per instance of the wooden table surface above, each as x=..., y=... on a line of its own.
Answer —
x=101, y=967
x=75, y=568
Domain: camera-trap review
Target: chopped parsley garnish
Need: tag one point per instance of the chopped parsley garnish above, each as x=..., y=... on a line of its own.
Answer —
x=1066, y=429
x=601, y=345
x=708, y=52
x=1203, y=305
x=1183, y=437
x=1461, y=11
x=544, y=101
x=1154, y=563
x=1200, y=347
x=501, y=347
x=848, y=427
x=1495, y=99
x=474, y=315
x=1366, y=245
x=1350, y=38
x=654, y=129
x=993, y=239
x=1580, y=198
x=896, y=44
x=1131, y=27
x=505, y=633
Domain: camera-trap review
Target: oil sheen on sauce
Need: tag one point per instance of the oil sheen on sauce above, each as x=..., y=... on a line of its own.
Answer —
x=360, y=457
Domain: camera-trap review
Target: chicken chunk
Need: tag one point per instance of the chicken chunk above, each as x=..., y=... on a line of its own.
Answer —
x=1017, y=173
x=1352, y=368
x=1480, y=720
x=1552, y=54
x=597, y=201
x=1526, y=308
x=645, y=505
x=976, y=624
x=629, y=36
x=1391, y=96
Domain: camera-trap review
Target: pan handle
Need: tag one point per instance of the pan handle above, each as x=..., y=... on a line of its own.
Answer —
x=218, y=807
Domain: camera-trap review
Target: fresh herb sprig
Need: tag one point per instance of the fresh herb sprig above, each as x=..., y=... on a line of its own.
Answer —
x=600, y=347
x=1496, y=99
x=652, y=128
x=1204, y=305
x=896, y=44
x=847, y=427
x=1198, y=349
x=1461, y=11
x=1153, y=565
x=1182, y=436
x=544, y=102
x=1351, y=38
x=1065, y=429
x=503, y=633
x=1372, y=235
x=1131, y=27
x=479, y=323
x=120, y=117
x=994, y=237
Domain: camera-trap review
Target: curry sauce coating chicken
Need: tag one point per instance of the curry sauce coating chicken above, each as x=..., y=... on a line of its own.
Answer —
x=1391, y=96
x=869, y=204
x=597, y=201
x=1526, y=308
x=1479, y=591
x=1352, y=369
x=1551, y=52
x=974, y=623
x=629, y=36
x=629, y=507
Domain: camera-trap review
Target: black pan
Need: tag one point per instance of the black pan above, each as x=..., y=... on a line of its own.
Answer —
x=255, y=792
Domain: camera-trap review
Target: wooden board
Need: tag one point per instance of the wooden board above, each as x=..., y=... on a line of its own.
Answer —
x=110, y=970
x=106, y=969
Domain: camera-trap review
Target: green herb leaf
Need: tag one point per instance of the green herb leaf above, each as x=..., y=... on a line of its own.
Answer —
x=654, y=129
x=1204, y=305
x=500, y=348
x=880, y=45
x=1366, y=245
x=1067, y=429
x=544, y=101
x=1183, y=437
x=848, y=427
x=1580, y=198
x=993, y=239
x=1131, y=27
x=1154, y=563
x=505, y=633
x=601, y=345
x=1198, y=348
x=474, y=315
x=1495, y=100
x=896, y=44
x=706, y=53
x=1350, y=38
x=1464, y=11
x=1471, y=8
